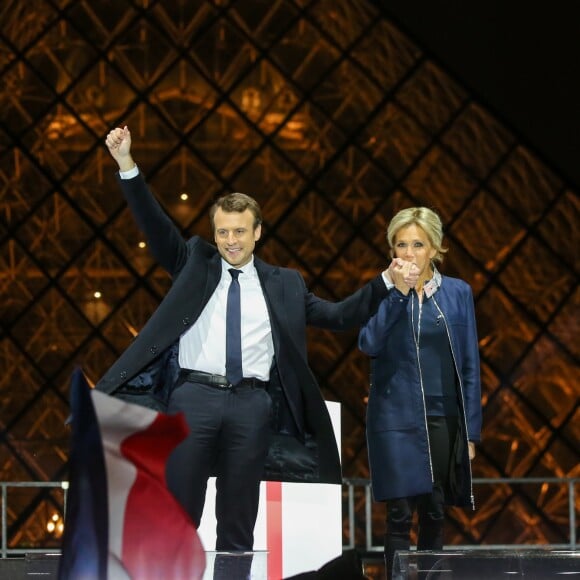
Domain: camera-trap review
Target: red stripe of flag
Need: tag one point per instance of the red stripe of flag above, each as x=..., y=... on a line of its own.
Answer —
x=274, y=529
x=159, y=539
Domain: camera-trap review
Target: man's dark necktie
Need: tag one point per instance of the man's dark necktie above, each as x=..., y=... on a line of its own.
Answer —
x=234, y=331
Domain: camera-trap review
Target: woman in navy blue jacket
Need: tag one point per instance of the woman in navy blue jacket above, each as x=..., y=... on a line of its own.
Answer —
x=424, y=409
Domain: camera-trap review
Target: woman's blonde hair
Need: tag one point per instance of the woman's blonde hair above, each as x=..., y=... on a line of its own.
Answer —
x=424, y=218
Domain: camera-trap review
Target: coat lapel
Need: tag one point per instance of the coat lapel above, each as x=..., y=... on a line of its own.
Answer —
x=273, y=288
x=214, y=273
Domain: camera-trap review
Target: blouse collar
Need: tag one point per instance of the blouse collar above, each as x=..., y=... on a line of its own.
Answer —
x=432, y=285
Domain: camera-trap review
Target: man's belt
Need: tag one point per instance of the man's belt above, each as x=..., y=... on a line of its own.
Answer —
x=218, y=381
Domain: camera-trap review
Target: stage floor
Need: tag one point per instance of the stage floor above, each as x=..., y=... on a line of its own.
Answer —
x=477, y=564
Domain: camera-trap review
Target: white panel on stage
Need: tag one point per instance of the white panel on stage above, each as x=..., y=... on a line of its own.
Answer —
x=309, y=521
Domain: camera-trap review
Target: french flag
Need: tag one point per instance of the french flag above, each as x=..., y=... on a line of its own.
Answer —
x=122, y=522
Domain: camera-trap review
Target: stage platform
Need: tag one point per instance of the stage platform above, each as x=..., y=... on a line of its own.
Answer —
x=487, y=565
x=477, y=564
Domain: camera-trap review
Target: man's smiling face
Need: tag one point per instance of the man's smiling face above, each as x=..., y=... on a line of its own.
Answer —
x=235, y=236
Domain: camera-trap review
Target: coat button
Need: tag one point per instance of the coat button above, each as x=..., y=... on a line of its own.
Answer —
x=185, y=321
x=153, y=349
x=123, y=375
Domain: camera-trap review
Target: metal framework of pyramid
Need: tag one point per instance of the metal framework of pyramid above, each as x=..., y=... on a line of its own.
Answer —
x=333, y=120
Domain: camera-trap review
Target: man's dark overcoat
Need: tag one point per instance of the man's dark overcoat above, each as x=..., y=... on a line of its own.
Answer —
x=303, y=447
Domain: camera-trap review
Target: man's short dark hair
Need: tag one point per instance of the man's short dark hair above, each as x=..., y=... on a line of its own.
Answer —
x=236, y=202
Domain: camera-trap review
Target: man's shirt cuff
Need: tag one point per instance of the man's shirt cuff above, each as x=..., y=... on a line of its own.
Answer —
x=133, y=172
x=387, y=282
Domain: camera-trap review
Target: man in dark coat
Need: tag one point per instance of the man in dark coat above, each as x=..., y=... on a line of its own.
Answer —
x=270, y=421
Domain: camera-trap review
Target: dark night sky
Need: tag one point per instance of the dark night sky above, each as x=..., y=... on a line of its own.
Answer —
x=522, y=62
